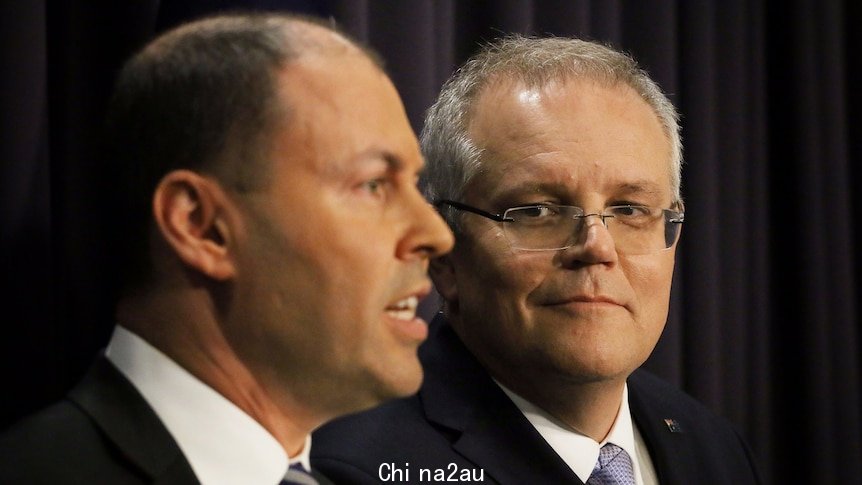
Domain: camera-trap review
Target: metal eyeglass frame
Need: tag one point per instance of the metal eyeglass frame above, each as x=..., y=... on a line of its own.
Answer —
x=503, y=218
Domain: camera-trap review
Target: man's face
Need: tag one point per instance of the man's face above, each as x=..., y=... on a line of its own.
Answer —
x=581, y=314
x=334, y=250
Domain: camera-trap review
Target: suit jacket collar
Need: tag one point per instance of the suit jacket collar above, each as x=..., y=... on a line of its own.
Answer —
x=125, y=418
x=666, y=429
x=460, y=395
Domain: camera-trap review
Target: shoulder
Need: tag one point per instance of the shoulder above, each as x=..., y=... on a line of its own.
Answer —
x=647, y=392
x=380, y=427
x=357, y=449
x=60, y=444
x=102, y=432
x=685, y=438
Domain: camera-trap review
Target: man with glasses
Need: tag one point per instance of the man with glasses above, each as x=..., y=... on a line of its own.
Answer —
x=557, y=164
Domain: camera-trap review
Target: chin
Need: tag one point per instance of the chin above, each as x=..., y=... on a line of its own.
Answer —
x=404, y=383
x=393, y=385
x=595, y=369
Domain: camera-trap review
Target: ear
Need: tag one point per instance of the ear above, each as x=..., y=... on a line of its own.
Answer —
x=442, y=273
x=190, y=212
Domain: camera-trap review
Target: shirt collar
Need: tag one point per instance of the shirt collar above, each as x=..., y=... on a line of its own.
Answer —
x=223, y=444
x=579, y=451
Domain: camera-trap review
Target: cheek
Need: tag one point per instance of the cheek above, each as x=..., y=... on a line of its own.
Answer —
x=650, y=277
x=365, y=274
x=498, y=281
x=340, y=276
x=505, y=267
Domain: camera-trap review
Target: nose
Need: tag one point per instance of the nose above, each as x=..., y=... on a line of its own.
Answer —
x=428, y=235
x=594, y=245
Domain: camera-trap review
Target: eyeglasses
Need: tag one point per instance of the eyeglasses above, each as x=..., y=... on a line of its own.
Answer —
x=635, y=229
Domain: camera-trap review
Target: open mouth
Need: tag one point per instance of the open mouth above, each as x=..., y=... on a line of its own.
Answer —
x=404, y=309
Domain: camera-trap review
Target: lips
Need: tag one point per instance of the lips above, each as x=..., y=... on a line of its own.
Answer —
x=584, y=299
x=404, y=309
x=402, y=319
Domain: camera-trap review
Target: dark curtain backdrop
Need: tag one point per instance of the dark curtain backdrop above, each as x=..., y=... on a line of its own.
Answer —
x=764, y=326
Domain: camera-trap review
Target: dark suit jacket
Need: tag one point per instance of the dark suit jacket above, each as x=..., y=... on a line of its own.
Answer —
x=462, y=423
x=102, y=432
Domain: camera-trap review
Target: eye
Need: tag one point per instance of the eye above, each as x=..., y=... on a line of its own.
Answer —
x=634, y=215
x=538, y=211
x=534, y=214
x=375, y=186
x=629, y=210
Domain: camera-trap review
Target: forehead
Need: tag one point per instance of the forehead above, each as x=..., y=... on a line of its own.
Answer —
x=571, y=137
x=339, y=104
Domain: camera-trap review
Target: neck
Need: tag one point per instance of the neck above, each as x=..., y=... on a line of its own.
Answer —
x=589, y=408
x=183, y=327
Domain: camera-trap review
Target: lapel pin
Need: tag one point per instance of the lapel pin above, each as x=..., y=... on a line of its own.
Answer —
x=673, y=425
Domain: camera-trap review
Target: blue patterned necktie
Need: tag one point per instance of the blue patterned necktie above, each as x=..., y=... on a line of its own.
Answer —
x=298, y=475
x=614, y=467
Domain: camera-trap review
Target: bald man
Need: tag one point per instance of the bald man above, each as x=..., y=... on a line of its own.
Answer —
x=274, y=249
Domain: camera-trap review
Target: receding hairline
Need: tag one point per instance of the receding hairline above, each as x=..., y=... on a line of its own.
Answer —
x=511, y=79
x=533, y=63
x=304, y=35
x=310, y=37
x=290, y=38
x=508, y=83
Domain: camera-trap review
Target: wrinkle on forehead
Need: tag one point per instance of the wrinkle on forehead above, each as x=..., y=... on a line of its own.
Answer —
x=555, y=178
x=526, y=133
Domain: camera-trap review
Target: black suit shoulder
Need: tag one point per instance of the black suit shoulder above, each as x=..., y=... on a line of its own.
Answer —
x=102, y=432
x=352, y=449
x=461, y=419
x=61, y=444
x=685, y=438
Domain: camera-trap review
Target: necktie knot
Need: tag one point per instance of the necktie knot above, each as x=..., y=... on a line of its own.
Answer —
x=298, y=475
x=614, y=467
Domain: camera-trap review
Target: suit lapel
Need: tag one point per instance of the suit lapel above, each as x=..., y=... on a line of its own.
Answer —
x=512, y=451
x=127, y=420
x=665, y=432
x=490, y=431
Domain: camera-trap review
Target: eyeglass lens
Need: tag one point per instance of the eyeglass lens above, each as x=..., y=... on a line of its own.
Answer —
x=635, y=230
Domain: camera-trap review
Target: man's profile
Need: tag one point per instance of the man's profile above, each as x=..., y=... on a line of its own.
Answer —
x=275, y=246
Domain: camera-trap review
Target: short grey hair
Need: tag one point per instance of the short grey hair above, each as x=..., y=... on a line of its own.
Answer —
x=453, y=159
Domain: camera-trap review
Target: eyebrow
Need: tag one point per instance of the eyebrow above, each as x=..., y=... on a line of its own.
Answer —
x=366, y=158
x=392, y=161
x=395, y=164
x=639, y=187
x=527, y=188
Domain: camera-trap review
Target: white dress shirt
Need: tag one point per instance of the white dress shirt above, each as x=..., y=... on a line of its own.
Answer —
x=223, y=444
x=581, y=452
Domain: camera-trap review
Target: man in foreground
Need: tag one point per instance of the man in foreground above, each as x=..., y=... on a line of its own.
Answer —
x=277, y=247
x=557, y=164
